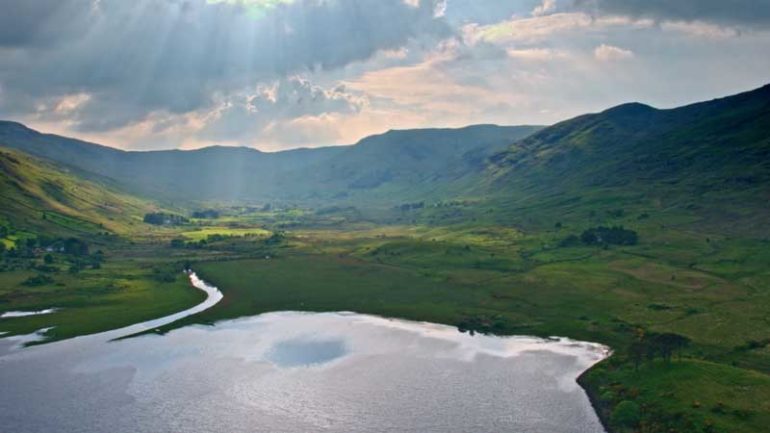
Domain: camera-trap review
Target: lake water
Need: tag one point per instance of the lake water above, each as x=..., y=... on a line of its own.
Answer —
x=300, y=372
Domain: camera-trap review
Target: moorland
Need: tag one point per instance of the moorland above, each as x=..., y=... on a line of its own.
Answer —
x=639, y=228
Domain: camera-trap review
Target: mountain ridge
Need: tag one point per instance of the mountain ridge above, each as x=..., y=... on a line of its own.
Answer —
x=245, y=174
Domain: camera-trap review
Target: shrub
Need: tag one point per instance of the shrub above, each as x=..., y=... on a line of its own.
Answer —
x=570, y=241
x=609, y=236
x=626, y=414
x=37, y=280
x=164, y=219
x=75, y=247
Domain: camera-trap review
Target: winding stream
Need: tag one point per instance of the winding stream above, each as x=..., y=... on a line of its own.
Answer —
x=298, y=372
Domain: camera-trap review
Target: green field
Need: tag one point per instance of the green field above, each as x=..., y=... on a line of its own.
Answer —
x=204, y=232
x=503, y=281
x=95, y=300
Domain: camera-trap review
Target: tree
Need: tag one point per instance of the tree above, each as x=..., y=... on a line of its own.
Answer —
x=48, y=259
x=637, y=350
x=669, y=343
x=160, y=219
x=75, y=247
x=609, y=236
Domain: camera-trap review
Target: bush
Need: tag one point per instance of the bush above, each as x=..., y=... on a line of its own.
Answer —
x=570, y=241
x=164, y=219
x=37, y=280
x=626, y=414
x=609, y=236
x=75, y=247
x=206, y=214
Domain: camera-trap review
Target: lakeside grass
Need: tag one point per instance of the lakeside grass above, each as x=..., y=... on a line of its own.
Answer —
x=712, y=288
x=119, y=294
x=716, y=293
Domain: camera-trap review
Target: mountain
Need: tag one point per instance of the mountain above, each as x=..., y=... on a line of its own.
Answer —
x=409, y=162
x=413, y=164
x=712, y=158
x=43, y=197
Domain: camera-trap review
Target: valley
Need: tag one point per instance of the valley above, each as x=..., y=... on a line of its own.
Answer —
x=644, y=230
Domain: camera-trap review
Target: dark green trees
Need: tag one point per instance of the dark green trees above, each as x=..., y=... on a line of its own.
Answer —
x=164, y=219
x=609, y=236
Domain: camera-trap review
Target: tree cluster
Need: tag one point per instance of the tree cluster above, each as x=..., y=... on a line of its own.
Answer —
x=617, y=235
x=206, y=214
x=411, y=206
x=164, y=219
x=651, y=346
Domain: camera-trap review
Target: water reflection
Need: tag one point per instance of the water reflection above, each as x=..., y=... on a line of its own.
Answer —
x=305, y=352
x=295, y=372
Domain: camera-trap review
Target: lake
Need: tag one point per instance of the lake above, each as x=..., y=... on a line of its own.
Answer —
x=300, y=372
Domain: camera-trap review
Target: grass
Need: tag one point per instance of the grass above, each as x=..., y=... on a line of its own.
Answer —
x=119, y=294
x=45, y=198
x=517, y=283
x=204, y=232
x=505, y=277
x=698, y=396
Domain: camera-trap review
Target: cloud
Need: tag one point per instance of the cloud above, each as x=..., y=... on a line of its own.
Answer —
x=607, y=53
x=41, y=23
x=244, y=116
x=750, y=13
x=136, y=58
x=149, y=74
x=545, y=8
x=538, y=28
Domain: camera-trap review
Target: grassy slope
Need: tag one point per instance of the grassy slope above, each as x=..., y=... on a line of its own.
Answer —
x=709, y=160
x=45, y=198
x=40, y=198
x=409, y=163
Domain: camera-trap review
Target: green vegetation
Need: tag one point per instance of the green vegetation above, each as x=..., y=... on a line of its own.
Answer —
x=642, y=229
x=647, y=301
x=117, y=294
x=204, y=233
x=43, y=198
x=164, y=219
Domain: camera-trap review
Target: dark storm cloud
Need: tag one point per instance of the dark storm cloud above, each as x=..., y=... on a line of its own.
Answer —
x=752, y=13
x=42, y=22
x=136, y=57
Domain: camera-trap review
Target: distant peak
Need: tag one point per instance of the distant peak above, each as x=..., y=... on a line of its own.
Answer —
x=630, y=109
x=10, y=124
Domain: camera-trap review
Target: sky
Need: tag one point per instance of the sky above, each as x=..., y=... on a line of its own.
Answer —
x=281, y=74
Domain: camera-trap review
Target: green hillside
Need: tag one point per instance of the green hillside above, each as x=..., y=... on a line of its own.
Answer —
x=643, y=229
x=410, y=163
x=40, y=197
x=709, y=160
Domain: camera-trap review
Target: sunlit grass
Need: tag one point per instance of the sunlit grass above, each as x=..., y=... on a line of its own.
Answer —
x=205, y=232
